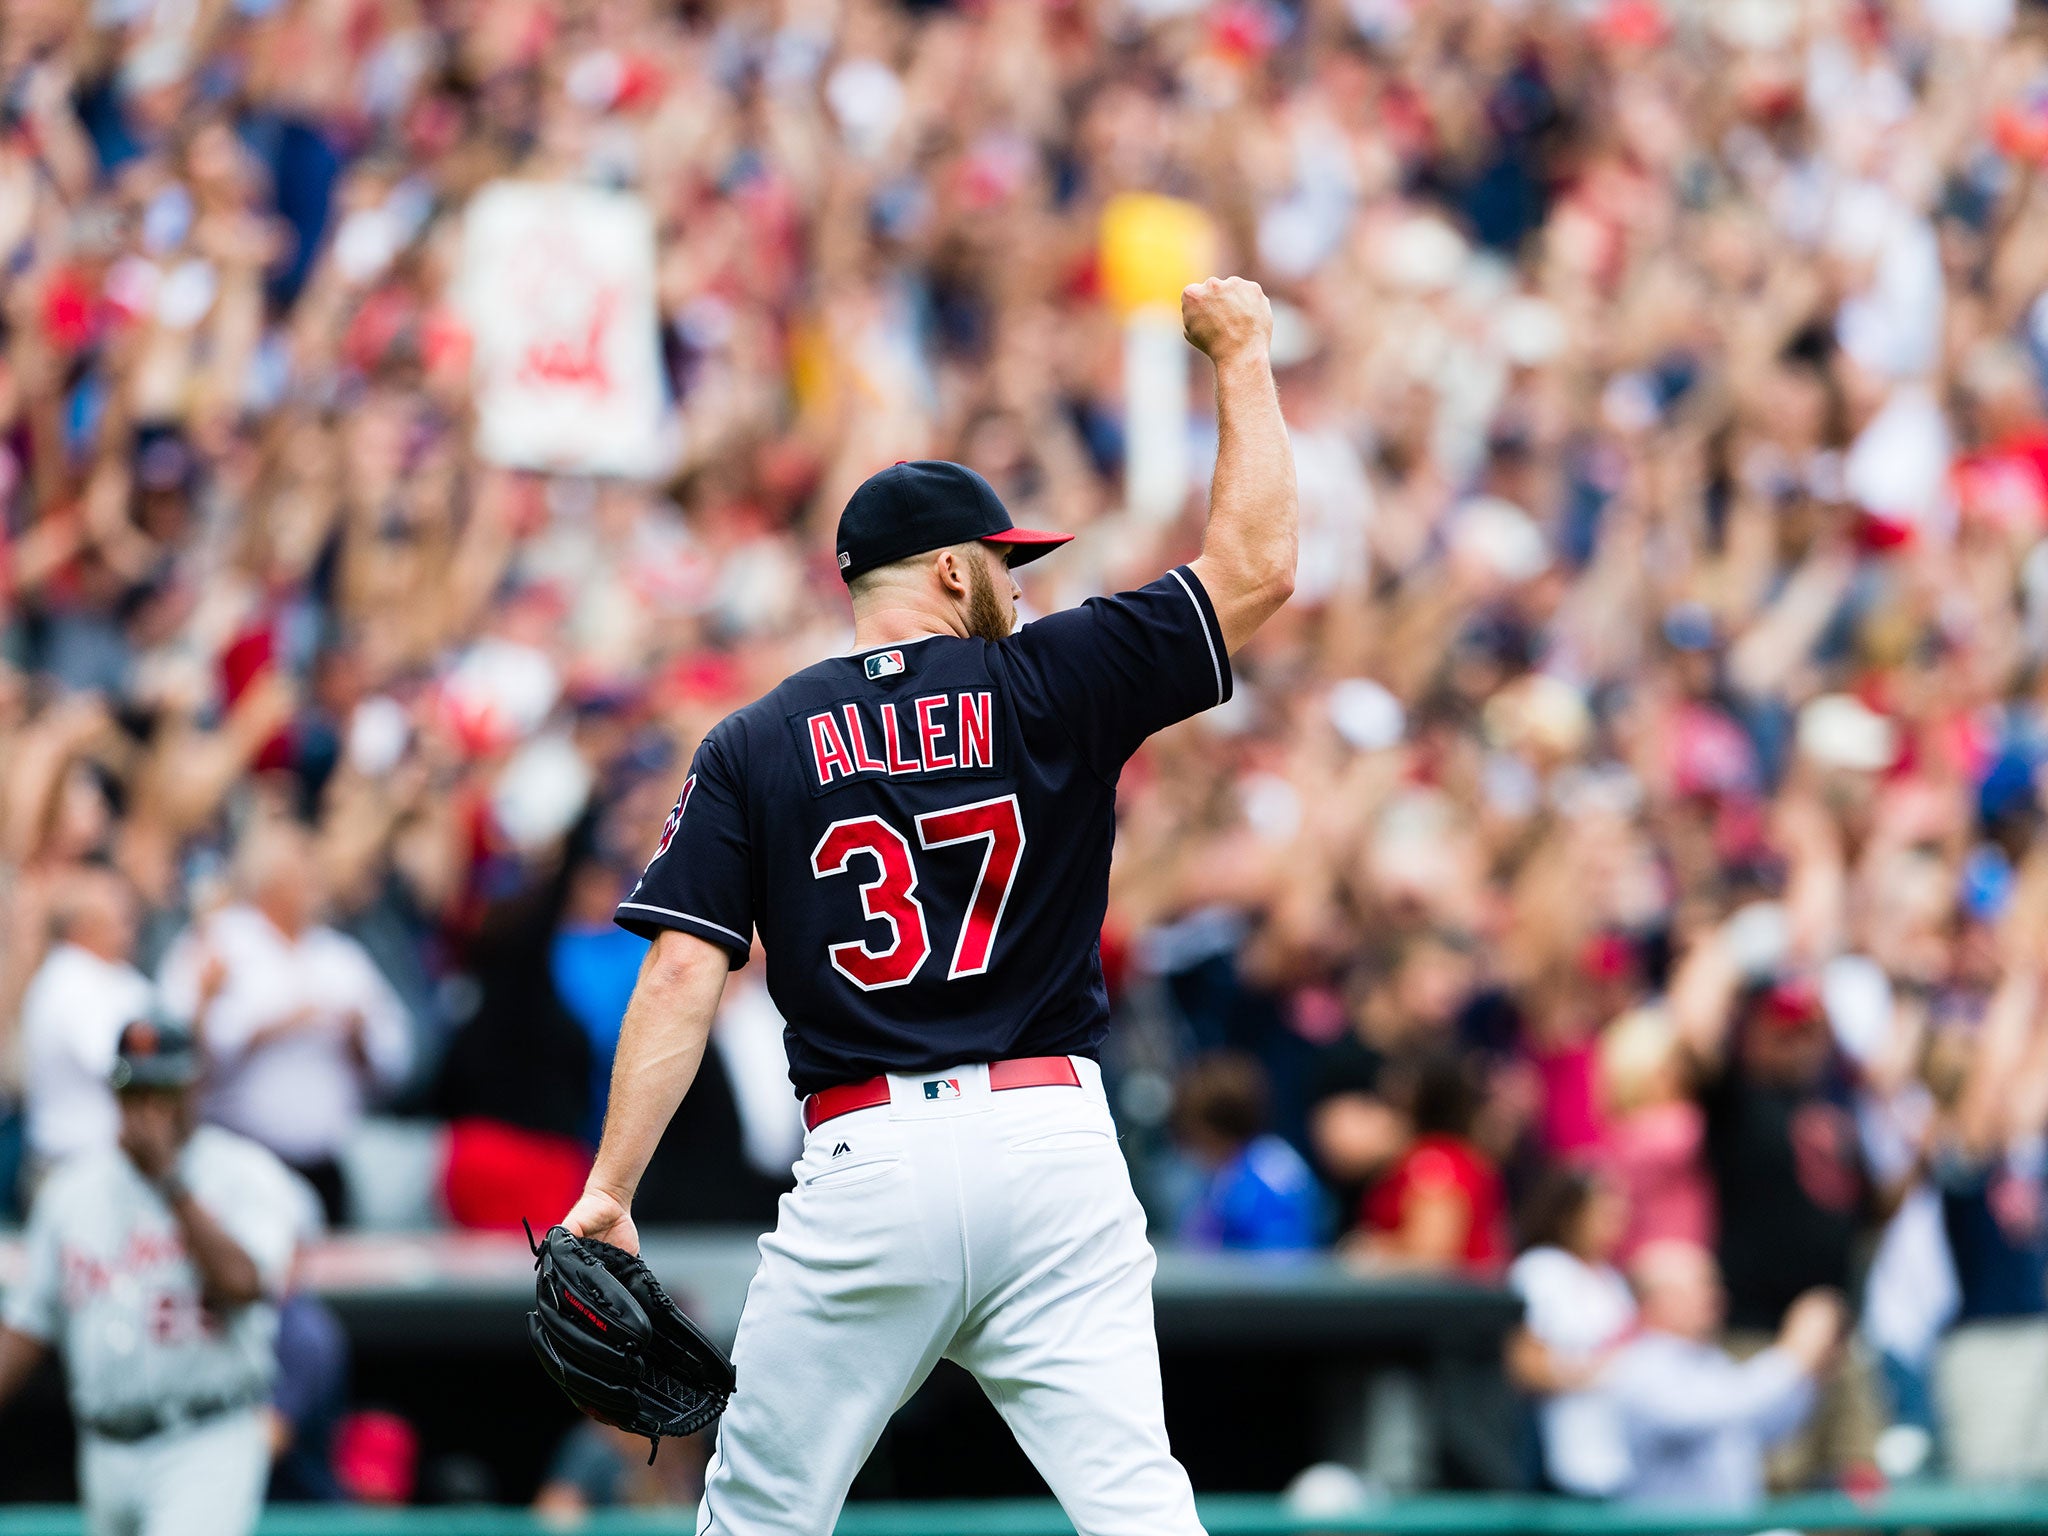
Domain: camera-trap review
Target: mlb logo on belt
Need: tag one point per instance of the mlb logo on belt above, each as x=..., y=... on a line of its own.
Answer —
x=943, y=1088
x=884, y=664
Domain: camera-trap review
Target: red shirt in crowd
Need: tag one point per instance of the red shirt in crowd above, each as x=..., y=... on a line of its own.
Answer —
x=1436, y=1163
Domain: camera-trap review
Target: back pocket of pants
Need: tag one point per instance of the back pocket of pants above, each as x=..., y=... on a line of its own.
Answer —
x=1067, y=1138
x=847, y=1174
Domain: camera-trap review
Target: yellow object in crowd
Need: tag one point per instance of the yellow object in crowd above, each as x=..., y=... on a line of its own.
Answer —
x=1151, y=247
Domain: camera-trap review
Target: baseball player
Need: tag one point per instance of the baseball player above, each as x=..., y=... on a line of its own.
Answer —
x=920, y=831
x=154, y=1267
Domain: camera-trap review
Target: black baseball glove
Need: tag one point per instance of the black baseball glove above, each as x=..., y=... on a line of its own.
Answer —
x=608, y=1334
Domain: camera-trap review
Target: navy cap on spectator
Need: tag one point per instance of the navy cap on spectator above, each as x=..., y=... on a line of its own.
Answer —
x=155, y=1053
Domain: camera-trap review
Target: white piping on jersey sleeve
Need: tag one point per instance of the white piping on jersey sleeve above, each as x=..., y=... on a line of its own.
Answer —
x=687, y=917
x=1202, y=619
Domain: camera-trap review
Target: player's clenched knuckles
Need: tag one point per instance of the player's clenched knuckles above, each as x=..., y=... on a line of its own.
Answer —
x=1224, y=316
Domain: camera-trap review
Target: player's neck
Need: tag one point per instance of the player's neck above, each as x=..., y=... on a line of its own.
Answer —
x=899, y=623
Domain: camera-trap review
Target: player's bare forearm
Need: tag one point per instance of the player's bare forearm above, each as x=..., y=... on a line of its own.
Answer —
x=661, y=1044
x=1248, y=549
x=20, y=1354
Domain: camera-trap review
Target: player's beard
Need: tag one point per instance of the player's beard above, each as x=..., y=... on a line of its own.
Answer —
x=985, y=617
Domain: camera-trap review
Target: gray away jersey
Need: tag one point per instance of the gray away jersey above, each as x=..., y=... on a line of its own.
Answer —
x=107, y=1279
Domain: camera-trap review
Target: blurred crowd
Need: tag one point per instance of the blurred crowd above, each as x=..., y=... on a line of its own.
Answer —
x=1625, y=852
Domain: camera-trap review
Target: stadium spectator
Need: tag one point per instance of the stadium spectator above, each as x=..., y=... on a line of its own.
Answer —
x=1793, y=1187
x=307, y=1401
x=1442, y=1205
x=517, y=1083
x=1992, y=1172
x=81, y=997
x=1578, y=1312
x=1696, y=1421
x=525, y=1080
x=1655, y=1134
x=598, y=1467
x=1787, y=1163
x=1257, y=1194
x=299, y=1027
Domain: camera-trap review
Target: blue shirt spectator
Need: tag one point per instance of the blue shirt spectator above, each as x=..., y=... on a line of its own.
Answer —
x=594, y=969
x=1263, y=1200
x=1258, y=1194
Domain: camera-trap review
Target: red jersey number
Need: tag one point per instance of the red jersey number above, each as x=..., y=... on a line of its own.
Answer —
x=891, y=896
x=1000, y=823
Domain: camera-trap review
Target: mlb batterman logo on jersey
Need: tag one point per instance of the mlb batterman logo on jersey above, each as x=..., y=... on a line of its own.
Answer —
x=884, y=664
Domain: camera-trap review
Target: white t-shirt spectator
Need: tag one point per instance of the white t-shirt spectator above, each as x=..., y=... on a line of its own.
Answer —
x=300, y=1094
x=71, y=1019
x=1576, y=1310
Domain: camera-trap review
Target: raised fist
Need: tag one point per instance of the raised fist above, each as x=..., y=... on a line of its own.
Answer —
x=1226, y=317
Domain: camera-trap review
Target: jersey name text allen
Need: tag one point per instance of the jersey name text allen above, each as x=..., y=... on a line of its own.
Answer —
x=925, y=735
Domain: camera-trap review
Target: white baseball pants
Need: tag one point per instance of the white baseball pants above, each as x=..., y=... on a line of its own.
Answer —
x=207, y=1480
x=994, y=1229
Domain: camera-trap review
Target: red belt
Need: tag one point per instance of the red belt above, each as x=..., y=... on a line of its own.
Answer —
x=1017, y=1072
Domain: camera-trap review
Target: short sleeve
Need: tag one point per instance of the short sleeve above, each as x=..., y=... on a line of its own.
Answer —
x=34, y=1305
x=1117, y=669
x=699, y=880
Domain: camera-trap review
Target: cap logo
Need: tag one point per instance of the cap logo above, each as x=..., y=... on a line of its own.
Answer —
x=845, y=559
x=884, y=664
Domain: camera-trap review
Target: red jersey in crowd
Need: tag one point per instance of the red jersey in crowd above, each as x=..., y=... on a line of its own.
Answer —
x=1439, y=1163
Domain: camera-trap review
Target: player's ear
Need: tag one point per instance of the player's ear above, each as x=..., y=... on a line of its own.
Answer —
x=951, y=571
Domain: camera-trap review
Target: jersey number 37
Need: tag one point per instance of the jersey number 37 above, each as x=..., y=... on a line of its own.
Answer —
x=891, y=896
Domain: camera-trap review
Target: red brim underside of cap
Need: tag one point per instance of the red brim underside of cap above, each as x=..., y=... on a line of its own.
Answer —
x=1027, y=544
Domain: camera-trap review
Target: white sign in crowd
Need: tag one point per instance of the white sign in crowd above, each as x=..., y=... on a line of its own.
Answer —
x=557, y=284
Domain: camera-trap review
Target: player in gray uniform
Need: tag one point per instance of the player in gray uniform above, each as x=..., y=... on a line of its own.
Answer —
x=155, y=1268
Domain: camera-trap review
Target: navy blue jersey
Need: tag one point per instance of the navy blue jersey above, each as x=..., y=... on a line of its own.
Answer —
x=920, y=833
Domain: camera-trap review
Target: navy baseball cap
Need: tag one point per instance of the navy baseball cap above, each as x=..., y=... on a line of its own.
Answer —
x=925, y=504
x=155, y=1053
